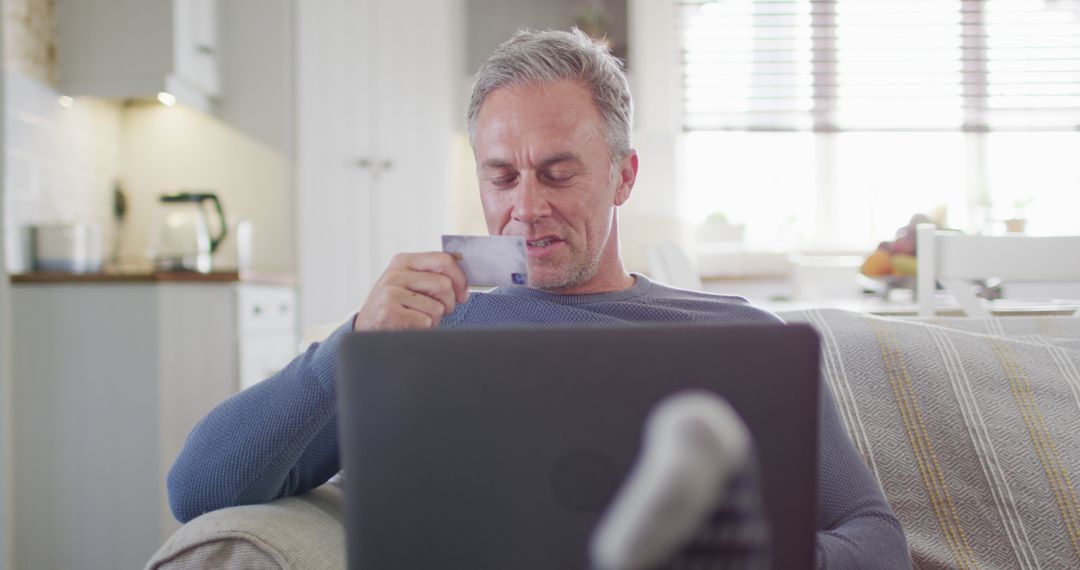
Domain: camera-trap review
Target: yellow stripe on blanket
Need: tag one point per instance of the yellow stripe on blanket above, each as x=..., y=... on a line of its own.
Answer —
x=1045, y=448
x=921, y=446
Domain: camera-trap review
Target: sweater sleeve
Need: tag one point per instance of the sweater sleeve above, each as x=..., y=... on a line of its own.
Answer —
x=856, y=526
x=274, y=439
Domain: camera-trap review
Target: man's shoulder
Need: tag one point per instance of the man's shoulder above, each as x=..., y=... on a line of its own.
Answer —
x=708, y=305
x=661, y=291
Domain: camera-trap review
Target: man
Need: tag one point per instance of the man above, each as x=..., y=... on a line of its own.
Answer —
x=550, y=122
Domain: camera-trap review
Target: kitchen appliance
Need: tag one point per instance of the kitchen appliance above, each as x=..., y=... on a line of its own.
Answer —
x=182, y=239
x=67, y=248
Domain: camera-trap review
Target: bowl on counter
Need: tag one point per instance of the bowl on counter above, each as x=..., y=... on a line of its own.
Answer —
x=67, y=248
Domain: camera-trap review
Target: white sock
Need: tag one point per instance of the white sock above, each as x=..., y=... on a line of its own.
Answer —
x=694, y=444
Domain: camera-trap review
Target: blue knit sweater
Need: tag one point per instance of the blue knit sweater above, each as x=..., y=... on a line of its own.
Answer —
x=280, y=438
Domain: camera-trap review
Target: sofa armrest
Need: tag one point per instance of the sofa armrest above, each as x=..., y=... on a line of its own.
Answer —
x=969, y=425
x=305, y=532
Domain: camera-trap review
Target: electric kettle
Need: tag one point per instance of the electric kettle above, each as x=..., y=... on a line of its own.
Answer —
x=182, y=240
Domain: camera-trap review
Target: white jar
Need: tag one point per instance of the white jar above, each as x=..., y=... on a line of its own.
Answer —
x=67, y=248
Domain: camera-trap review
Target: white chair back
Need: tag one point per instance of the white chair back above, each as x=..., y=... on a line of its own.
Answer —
x=669, y=264
x=954, y=260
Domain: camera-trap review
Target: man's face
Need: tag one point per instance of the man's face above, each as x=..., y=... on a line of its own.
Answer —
x=546, y=174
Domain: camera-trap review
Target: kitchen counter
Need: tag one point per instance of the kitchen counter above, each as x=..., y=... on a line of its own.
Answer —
x=157, y=277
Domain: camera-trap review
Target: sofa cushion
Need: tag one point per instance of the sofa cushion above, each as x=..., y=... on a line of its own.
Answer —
x=972, y=427
x=305, y=532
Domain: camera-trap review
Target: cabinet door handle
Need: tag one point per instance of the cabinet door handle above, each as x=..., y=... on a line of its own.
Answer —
x=363, y=163
x=257, y=310
x=386, y=164
x=204, y=49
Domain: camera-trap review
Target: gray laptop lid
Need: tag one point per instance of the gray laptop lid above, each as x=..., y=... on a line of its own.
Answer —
x=501, y=448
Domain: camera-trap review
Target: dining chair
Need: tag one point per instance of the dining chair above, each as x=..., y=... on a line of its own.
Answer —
x=670, y=265
x=955, y=260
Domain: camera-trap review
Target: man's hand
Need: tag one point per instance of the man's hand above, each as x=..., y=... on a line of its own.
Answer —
x=414, y=292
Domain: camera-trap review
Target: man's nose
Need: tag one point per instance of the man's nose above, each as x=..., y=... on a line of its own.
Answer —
x=531, y=201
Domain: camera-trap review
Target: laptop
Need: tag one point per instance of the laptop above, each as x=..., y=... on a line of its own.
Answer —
x=455, y=443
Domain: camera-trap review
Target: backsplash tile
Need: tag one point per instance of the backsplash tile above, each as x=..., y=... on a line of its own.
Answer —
x=60, y=163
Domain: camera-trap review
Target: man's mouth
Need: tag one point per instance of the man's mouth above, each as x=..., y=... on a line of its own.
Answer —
x=543, y=242
x=542, y=246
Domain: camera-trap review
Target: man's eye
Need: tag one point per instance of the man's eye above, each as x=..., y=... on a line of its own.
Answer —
x=560, y=177
x=507, y=180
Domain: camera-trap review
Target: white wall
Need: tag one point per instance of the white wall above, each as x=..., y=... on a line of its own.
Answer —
x=652, y=214
x=60, y=163
x=468, y=214
x=167, y=149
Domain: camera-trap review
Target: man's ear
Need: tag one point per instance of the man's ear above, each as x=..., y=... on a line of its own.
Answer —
x=627, y=176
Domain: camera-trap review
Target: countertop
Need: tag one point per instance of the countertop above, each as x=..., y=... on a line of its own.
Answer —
x=157, y=277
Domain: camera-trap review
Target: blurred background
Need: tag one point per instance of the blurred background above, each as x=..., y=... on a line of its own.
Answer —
x=249, y=167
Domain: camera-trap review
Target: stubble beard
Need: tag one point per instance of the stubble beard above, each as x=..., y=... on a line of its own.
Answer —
x=582, y=265
x=581, y=268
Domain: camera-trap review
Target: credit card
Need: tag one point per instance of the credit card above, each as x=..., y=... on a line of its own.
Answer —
x=490, y=261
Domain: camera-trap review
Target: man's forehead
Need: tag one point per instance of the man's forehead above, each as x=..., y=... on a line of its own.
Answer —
x=536, y=122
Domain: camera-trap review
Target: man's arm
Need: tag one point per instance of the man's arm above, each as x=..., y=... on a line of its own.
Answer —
x=279, y=437
x=856, y=526
x=275, y=439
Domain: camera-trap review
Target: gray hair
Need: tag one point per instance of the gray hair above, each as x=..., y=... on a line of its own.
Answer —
x=548, y=56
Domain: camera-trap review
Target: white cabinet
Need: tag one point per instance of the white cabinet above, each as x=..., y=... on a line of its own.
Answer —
x=267, y=331
x=110, y=378
x=136, y=49
x=378, y=93
x=258, y=69
x=196, y=43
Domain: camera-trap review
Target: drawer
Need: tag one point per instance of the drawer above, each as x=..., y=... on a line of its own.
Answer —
x=266, y=308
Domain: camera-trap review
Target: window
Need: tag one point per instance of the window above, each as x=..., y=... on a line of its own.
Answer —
x=829, y=123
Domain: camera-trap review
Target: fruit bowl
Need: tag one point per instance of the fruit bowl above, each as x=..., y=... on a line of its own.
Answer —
x=893, y=265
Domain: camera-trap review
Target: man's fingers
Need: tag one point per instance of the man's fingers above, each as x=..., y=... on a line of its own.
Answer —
x=443, y=264
x=436, y=286
x=402, y=318
x=391, y=315
x=409, y=319
x=415, y=291
x=421, y=303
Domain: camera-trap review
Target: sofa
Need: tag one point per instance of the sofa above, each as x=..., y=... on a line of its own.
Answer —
x=972, y=427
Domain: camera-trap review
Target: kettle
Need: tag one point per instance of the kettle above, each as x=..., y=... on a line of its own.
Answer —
x=182, y=240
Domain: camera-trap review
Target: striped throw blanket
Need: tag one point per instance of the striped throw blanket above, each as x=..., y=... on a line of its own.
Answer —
x=972, y=427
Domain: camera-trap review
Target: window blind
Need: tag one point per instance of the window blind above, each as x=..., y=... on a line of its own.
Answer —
x=851, y=65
